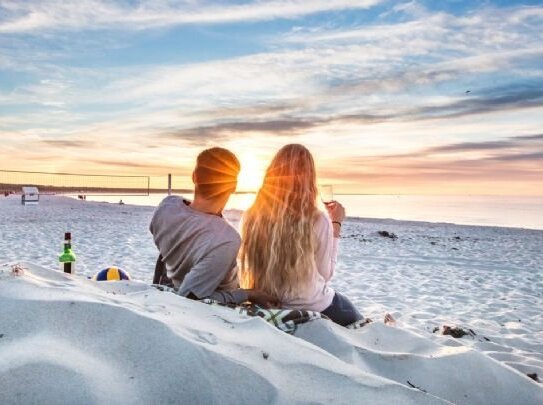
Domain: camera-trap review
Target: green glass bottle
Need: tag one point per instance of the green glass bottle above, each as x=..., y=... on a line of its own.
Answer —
x=67, y=257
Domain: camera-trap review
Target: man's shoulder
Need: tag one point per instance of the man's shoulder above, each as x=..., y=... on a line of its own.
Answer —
x=236, y=237
x=174, y=214
x=172, y=200
x=226, y=230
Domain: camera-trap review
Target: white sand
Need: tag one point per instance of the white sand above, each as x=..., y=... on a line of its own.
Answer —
x=488, y=279
x=68, y=339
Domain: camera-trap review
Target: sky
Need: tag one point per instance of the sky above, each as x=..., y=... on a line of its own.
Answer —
x=391, y=97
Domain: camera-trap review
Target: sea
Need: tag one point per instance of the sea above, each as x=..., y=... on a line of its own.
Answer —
x=503, y=211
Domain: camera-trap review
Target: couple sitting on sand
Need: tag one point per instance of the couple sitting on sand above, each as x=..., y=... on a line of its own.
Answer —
x=287, y=249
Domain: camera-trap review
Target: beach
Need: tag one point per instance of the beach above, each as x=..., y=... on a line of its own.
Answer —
x=126, y=342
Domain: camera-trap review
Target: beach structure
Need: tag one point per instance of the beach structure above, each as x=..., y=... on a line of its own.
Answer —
x=30, y=195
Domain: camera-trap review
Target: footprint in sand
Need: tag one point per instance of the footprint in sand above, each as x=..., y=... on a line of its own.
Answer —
x=205, y=337
x=155, y=308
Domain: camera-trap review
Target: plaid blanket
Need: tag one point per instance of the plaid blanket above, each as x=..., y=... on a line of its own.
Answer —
x=286, y=320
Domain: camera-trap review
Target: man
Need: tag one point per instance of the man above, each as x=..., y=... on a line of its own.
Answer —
x=198, y=248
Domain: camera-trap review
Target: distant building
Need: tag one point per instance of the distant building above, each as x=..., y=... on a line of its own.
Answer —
x=30, y=195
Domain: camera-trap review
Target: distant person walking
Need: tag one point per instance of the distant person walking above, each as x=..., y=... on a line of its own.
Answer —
x=289, y=247
x=198, y=247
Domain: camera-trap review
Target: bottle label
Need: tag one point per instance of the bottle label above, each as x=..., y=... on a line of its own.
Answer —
x=68, y=267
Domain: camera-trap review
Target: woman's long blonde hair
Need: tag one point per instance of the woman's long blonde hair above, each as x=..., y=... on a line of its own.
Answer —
x=278, y=246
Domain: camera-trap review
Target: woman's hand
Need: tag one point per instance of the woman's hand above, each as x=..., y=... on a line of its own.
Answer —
x=263, y=299
x=336, y=212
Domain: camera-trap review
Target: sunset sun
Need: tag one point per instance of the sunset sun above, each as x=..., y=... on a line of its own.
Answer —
x=251, y=174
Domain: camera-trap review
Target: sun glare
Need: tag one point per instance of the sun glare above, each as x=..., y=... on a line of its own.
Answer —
x=252, y=173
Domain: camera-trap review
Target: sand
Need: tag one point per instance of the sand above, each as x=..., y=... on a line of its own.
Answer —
x=68, y=339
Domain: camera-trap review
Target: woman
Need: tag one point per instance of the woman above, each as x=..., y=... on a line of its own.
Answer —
x=289, y=246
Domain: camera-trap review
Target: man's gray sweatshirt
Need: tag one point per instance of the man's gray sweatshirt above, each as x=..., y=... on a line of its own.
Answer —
x=199, y=251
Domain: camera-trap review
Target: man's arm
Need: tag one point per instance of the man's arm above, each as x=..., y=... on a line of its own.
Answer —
x=236, y=296
x=160, y=277
x=159, y=270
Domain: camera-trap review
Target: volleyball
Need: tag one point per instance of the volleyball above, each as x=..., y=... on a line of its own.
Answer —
x=111, y=274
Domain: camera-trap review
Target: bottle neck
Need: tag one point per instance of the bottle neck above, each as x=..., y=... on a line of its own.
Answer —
x=67, y=245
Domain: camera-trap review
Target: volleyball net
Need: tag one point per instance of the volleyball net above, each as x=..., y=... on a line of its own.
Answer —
x=68, y=183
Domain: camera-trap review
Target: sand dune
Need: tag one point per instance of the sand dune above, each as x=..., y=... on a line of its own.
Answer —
x=448, y=370
x=67, y=339
x=71, y=339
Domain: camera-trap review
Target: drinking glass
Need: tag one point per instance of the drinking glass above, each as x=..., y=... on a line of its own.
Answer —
x=326, y=192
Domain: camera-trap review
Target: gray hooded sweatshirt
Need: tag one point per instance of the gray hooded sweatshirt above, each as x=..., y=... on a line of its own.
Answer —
x=199, y=251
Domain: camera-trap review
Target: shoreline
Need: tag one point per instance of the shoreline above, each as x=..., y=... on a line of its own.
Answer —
x=393, y=221
x=358, y=219
x=113, y=199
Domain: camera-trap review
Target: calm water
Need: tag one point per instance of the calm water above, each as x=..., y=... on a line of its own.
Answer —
x=523, y=212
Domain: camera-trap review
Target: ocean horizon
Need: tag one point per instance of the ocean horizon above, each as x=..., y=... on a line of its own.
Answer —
x=482, y=210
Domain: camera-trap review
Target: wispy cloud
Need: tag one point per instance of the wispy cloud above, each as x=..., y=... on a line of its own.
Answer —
x=150, y=168
x=485, y=150
x=67, y=143
x=509, y=143
x=533, y=157
x=223, y=131
x=516, y=157
x=516, y=96
x=40, y=15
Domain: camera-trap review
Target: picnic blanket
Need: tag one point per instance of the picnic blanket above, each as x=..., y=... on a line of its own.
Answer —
x=286, y=320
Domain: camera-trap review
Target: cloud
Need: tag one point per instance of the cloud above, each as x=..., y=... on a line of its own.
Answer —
x=517, y=158
x=401, y=173
x=205, y=134
x=530, y=137
x=471, y=146
x=515, y=96
x=492, y=149
x=432, y=48
x=425, y=29
x=523, y=141
x=369, y=64
x=32, y=16
x=59, y=143
x=152, y=167
x=535, y=157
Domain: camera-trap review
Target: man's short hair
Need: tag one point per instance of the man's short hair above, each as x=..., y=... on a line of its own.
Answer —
x=216, y=173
